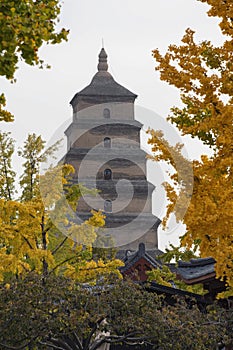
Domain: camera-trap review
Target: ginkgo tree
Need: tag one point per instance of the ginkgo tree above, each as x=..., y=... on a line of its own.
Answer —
x=40, y=232
x=203, y=74
x=25, y=26
x=7, y=174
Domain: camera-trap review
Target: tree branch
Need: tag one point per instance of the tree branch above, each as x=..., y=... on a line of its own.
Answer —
x=61, y=263
x=50, y=345
x=27, y=241
x=113, y=339
x=59, y=245
x=77, y=340
x=60, y=344
x=94, y=329
x=4, y=346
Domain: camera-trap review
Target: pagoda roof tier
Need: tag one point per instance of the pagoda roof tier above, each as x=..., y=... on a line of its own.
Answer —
x=121, y=153
x=103, y=84
x=90, y=124
x=140, y=185
x=121, y=218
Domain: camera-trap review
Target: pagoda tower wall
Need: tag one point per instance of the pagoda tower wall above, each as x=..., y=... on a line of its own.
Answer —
x=103, y=145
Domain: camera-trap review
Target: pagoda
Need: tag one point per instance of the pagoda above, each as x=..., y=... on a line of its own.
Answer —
x=103, y=145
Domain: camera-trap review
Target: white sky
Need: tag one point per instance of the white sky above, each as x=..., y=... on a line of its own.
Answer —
x=131, y=29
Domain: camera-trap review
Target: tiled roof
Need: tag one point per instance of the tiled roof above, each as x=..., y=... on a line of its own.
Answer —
x=130, y=258
x=196, y=269
x=103, y=84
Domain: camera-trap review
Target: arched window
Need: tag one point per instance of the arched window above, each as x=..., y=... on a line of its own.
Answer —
x=108, y=206
x=106, y=113
x=107, y=174
x=107, y=142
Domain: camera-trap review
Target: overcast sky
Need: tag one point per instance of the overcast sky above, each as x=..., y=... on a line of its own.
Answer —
x=131, y=30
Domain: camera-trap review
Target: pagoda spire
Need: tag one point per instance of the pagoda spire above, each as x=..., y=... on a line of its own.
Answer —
x=103, y=63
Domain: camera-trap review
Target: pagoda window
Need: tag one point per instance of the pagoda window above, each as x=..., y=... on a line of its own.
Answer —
x=108, y=206
x=106, y=113
x=107, y=174
x=107, y=142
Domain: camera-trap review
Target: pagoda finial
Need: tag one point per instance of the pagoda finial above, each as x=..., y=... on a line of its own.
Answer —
x=103, y=64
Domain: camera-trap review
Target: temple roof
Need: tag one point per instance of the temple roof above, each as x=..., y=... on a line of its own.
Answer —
x=196, y=270
x=130, y=258
x=103, y=84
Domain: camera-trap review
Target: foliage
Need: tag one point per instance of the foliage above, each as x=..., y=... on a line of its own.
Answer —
x=167, y=278
x=178, y=253
x=60, y=314
x=203, y=74
x=4, y=115
x=34, y=154
x=25, y=26
x=7, y=174
x=180, y=190
x=40, y=232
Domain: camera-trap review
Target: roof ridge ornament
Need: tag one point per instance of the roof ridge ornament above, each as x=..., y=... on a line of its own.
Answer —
x=103, y=63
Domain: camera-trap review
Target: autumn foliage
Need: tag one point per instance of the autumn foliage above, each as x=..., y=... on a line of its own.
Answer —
x=25, y=26
x=39, y=231
x=203, y=74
